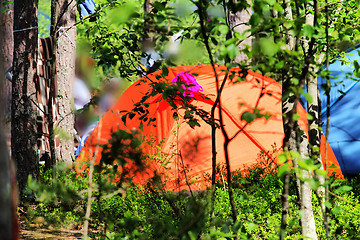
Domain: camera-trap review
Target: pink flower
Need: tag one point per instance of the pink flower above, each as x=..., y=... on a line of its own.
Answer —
x=188, y=83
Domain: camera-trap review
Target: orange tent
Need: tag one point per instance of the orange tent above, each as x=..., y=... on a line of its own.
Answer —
x=189, y=147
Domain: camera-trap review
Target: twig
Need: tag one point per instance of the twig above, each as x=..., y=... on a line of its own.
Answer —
x=326, y=210
x=120, y=190
x=90, y=188
x=344, y=199
x=91, y=15
x=213, y=149
x=186, y=179
x=54, y=21
x=37, y=105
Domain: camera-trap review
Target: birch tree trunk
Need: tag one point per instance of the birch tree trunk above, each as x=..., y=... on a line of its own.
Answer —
x=236, y=24
x=298, y=142
x=307, y=217
x=313, y=110
x=23, y=110
x=65, y=75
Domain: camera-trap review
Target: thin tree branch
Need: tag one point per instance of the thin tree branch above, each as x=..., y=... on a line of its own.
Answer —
x=326, y=212
x=223, y=130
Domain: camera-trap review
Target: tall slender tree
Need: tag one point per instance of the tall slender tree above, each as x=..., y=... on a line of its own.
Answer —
x=295, y=139
x=63, y=30
x=23, y=112
x=6, y=51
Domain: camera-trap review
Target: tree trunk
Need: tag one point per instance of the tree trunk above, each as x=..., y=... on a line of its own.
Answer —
x=6, y=54
x=313, y=110
x=23, y=112
x=236, y=24
x=65, y=74
x=5, y=192
x=8, y=221
x=307, y=217
x=297, y=141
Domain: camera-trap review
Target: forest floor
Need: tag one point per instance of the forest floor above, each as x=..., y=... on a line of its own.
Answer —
x=38, y=233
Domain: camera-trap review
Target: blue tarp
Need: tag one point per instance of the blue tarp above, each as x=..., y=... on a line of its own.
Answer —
x=344, y=136
x=86, y=8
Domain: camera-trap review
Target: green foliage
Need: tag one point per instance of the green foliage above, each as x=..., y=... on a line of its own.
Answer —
x=145, y=212
x=3, y=6
x=120, y=39
x=44, y=18
x=59, y=196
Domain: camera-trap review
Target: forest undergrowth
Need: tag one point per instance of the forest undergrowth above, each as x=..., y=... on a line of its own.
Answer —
x=150, y=212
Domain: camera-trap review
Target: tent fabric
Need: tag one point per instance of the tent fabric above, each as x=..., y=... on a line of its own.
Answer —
x=192, y=147
x=344, y=135
x=86, y=8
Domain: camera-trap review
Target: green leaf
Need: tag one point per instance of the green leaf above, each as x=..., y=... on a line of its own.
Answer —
x=252, y=226
x=223, y=29
x=314, y=183
x=193, y=122
x=296, y=117
x=328, y=204
x=343, y=189
x=357, y=69
x=254, y=19
x=232, y=51
x=333, y=166
x=321, y=172
x=309, y=116
x=336, y=210
x=271, y=2
x=268, y=47
x=308, y=97
x=278, y=7
x=283, y=170
x=282, y=158
x=308, y=30
x=192, y=235
x=295, y=81
x=307, y=164
x=165, y=71
x=294, y=154
x=248, y=117
x=280, y=65
x=123, y=118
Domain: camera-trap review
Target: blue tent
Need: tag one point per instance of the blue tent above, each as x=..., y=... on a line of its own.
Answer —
x=344, y=136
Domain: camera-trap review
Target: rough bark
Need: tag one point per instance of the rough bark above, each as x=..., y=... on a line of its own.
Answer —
x=307, y=217
x=65, y=74
x=6, y=54
x=23, y=114
x=313, y=107
x=237, y=22
x=5, y=192
x=313, y=110
x=291, y=41
x=297, y=141
x=288, y=142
